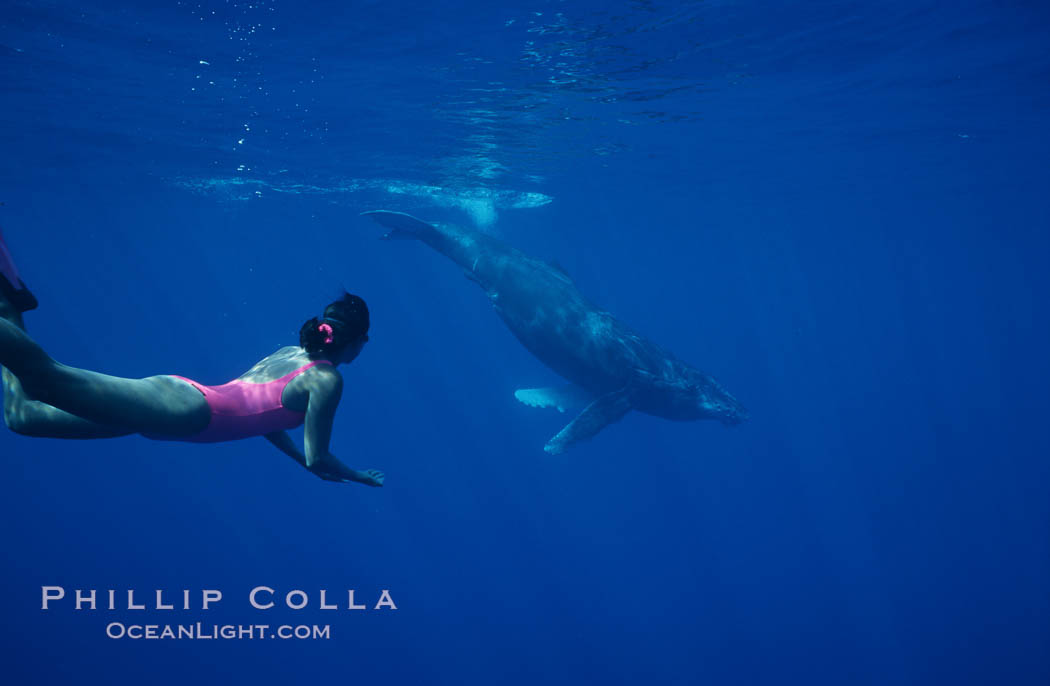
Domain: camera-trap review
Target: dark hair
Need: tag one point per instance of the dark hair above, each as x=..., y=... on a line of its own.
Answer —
x=344, y=322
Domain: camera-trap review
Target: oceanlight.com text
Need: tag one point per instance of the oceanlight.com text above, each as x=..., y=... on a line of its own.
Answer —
x=200, y=631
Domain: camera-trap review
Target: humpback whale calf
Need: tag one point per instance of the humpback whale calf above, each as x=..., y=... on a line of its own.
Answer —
x=611, y=369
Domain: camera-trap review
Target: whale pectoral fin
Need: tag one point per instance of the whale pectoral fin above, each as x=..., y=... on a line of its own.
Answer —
x=567, y=397
x=402, y=226
x=608, y=409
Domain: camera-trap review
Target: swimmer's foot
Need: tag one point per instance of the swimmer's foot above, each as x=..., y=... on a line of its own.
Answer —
x=11, y=286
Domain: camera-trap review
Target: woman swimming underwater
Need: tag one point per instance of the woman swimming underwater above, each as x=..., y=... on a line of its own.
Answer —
x=295, y=385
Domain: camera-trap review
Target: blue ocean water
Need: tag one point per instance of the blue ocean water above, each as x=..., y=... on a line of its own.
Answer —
x=836, y=208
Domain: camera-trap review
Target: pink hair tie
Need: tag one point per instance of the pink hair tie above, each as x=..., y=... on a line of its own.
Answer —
x=326, y=329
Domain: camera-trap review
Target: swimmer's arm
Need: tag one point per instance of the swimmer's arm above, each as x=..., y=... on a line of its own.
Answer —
x=283, y=442
x=325, y=393
x=326, y=389
x=329, y=469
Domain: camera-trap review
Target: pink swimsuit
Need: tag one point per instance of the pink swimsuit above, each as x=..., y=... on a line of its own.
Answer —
x=240, y=409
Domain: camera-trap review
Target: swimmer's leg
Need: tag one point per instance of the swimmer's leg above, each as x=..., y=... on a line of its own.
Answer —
x=45, y=398
x=29, y=417
x=34, y=418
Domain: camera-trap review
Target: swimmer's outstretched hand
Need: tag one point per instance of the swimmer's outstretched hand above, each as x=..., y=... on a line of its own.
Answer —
x=371, y=477
x=330, y=468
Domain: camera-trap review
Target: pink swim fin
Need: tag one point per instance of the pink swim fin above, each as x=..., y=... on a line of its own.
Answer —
x=11, y=284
